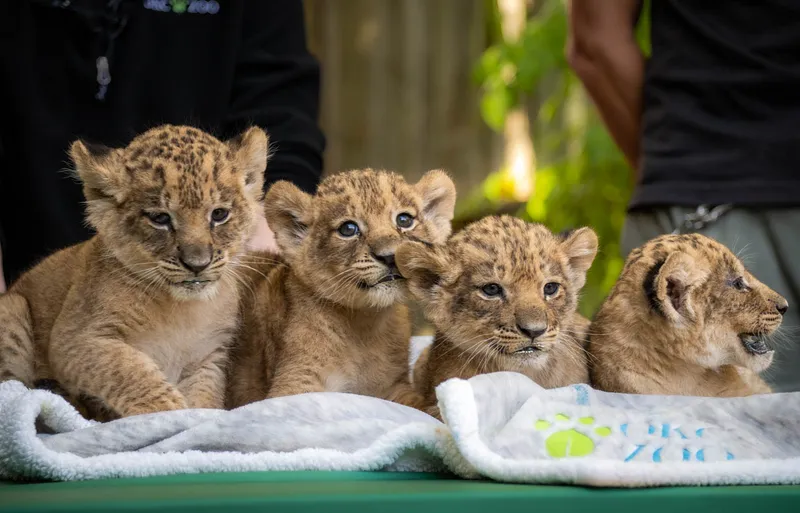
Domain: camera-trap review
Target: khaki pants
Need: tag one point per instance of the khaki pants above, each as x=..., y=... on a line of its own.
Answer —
x=768, y=242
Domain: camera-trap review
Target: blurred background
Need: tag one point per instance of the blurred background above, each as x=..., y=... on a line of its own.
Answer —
x=480, y=88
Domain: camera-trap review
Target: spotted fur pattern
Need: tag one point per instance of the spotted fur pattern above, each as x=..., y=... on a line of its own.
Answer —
x=685, y=318
x=331, y=317
x=126, y=321
x=530, y=326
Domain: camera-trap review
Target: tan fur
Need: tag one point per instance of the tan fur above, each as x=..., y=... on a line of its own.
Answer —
x=321, y=320
x=476, y=333
x=113, y=322
x=672, y=324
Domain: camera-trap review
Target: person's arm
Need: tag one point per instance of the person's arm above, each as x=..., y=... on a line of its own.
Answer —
x=603, y=51
x=2, y=278
x=277, y=87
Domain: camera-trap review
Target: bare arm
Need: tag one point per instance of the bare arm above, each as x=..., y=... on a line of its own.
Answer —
x=602, y=50
x=263, y=239
x=2, y=279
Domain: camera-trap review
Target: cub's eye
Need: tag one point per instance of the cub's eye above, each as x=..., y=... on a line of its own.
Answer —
x=492, y=290
x=348, y=229
x=739, y=284
x=404, y=220
x=551, y=288
x=159, y=218
x=220, y=215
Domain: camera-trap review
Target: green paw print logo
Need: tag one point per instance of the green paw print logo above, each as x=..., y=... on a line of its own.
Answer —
x=571, y=442
x=179, y=6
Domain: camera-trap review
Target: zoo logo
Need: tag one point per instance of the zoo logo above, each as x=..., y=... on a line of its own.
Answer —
x=581, y=442
x=565, y=438
x=182, y=6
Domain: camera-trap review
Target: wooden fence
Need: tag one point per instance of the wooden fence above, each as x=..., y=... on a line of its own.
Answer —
x=398, y=91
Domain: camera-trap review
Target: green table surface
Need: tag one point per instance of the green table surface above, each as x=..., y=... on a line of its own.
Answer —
x=383, y=492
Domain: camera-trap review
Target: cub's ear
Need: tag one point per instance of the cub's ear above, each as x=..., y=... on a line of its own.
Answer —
x=424, y=266
x=669, y=284
x=250, y=150
x=99, y=168
x=580, y=247
x=288, y=211
x=438, y=202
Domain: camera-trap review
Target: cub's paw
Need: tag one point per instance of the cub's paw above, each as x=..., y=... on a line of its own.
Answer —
x=206, y=401
x=404, y=393
x=153, y=403
x=434, y=411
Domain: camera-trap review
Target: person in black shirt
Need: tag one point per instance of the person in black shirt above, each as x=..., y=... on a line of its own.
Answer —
x=710, y=123
x=107, y=70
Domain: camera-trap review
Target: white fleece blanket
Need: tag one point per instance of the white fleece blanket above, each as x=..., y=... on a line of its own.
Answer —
x=500, y=426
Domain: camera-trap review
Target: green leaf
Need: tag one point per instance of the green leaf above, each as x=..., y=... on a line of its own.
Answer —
x=495, y=105
x=489, y=65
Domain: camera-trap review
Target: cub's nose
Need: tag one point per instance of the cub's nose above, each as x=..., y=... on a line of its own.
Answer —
x=386, y=259
x=195, y=258
x=532, y=331
x=782, y=306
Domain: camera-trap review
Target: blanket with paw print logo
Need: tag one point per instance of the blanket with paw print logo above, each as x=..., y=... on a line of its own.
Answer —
x=500, y=426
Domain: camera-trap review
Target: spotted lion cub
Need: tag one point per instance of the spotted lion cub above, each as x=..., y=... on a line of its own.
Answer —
x=502, y=295
x=331, y=317
x=685, y=318
x=137, y=319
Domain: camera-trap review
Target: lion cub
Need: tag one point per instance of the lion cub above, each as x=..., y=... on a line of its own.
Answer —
x=138, y=318
x=685, y=318
x=331, y=317
x=502, y=295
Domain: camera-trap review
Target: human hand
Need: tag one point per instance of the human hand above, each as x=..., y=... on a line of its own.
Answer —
x=263, y=239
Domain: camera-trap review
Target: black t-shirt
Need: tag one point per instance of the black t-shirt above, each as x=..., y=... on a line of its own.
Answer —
x=721, y=105
x=218, y=65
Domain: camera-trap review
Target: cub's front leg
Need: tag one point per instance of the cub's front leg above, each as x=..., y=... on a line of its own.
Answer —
x=17, y=345
x=297, y=376
x=109, y=369
x=203, y=384
x=402, y=392
x=302, y=363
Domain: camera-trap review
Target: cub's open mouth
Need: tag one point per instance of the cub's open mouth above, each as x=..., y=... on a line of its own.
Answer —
x=194, y=283
x=389, y=277
x=386, y=279
x=521, y=352
x=754, y=344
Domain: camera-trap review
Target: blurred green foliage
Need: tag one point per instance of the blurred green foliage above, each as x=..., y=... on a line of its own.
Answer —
x=581, y=177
